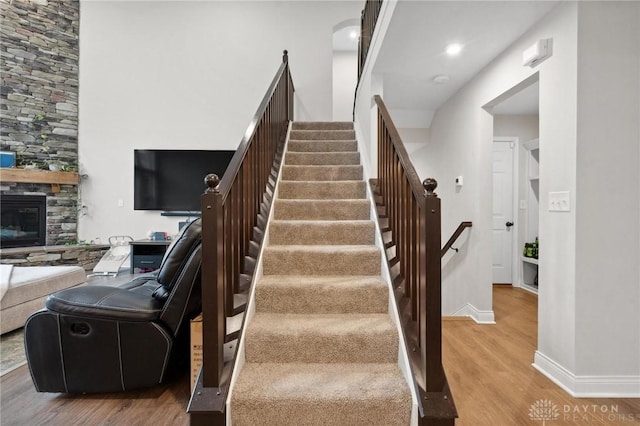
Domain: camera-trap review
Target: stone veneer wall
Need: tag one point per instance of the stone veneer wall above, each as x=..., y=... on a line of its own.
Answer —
x=39, y=52
x=86, y=256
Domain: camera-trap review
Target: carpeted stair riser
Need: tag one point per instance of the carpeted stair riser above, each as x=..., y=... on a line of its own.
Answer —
x=321, y=209
x=323, y=146
x=321, y=394
x=299, y=294
x=321, y=260
x=283, y=232
x=321, y=338
x=322, y=173
x=305, y=190
x=322, y=158
x=322, y=125
x=327, y=135
x=321, y=348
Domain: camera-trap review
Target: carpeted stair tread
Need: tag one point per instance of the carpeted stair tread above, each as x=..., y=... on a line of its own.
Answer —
x=322, y=209
x=321, y=347
x=322, y=158
x=321, y=338
x=322, y=173
x=300, y=294
x=322, y=135
x=326, y=394
x=322, y=125
x=321, y=260
x=338, y=232
x=322, y=146
x=321, y=190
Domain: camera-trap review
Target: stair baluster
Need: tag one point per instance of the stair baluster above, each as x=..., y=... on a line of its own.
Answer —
x=234, y=209
x=410, y=218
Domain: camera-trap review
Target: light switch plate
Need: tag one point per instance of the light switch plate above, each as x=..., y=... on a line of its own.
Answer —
x=559, y=201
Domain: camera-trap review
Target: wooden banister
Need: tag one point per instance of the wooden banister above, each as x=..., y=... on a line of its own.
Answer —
x=231, y=209
x=368, y=20
x=410, y=218
x=454, y=237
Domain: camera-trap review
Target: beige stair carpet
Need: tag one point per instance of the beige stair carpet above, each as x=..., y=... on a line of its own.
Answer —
x=321, y=348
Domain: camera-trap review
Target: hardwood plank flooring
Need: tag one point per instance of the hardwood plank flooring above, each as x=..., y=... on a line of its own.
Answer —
x=21, y=405
x=488, y=368
x=493, y=382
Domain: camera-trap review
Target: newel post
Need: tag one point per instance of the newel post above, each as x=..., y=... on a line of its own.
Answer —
x=213, y=317
x=431, y=298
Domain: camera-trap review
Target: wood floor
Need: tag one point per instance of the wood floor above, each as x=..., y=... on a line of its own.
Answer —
x=488, y=367
x=493, y=382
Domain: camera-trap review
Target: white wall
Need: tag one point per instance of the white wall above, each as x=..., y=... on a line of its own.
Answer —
x=345, y=76
x=589, y=297
x=186, y=75
x=461, y=134
x=607, y=194
x=414, y=140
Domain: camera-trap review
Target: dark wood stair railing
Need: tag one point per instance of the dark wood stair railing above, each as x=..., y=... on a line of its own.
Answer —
x=454, y=237
x=409, y=215
x=368, y=20
x=234, y=214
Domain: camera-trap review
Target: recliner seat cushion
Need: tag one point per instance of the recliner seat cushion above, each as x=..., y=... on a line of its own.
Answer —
x=103, y=302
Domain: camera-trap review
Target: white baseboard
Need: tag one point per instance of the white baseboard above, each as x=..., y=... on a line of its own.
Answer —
x=481, y=317
x=587, y=386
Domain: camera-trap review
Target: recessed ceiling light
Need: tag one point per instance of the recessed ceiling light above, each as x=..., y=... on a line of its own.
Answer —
x=453, y=49
x=440, y=79
x=353, y=34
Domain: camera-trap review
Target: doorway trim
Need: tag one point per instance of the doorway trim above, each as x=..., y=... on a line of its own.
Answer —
x=515, y=258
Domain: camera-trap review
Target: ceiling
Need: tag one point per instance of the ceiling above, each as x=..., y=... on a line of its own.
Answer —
x=413, y=50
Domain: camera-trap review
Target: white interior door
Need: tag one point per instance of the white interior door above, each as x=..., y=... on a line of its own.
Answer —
x=502, y=211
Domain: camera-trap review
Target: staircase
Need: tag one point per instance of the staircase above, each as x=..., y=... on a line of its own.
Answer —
x=321, y=348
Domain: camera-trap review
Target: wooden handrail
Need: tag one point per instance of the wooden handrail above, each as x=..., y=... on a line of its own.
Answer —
x=234, y=213
x=410, y=219
x=454, y=237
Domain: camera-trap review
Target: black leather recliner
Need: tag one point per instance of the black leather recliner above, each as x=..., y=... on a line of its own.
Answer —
x=108, y=339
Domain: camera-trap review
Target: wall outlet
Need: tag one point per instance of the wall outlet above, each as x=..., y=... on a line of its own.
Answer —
x=559, y=201
x=120, y=202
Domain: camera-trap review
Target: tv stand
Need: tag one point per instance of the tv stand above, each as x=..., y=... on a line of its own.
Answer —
x=147, y=254
x=182, y=213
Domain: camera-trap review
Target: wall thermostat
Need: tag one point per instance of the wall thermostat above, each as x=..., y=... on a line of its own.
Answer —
x=459, y=181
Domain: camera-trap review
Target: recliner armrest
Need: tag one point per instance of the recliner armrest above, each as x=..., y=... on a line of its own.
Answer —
x=103, y=302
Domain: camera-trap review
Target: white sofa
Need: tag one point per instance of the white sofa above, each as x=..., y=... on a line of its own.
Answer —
x=25, y=289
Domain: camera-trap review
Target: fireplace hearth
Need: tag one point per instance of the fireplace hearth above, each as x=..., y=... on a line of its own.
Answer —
x=23, y=220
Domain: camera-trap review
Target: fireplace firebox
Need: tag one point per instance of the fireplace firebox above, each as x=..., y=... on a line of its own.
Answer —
x=23, y=220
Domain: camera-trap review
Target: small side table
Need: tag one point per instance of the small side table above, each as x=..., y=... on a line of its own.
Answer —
x=147, y=254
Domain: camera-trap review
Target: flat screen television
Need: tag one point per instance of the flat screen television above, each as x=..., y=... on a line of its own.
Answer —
x=173, y=180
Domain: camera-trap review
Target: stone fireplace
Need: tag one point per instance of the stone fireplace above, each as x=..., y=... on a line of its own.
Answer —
x=39, y=102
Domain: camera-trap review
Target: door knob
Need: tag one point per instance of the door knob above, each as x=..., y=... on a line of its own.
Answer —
x=509, y=224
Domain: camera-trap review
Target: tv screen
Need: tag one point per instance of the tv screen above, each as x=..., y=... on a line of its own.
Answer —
x=173, y=180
